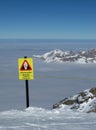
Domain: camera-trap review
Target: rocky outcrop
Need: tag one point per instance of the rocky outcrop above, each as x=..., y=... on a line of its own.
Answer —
x=84, y=101
x=69, y=56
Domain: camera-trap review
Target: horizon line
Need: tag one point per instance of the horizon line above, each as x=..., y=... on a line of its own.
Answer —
x=47, y=38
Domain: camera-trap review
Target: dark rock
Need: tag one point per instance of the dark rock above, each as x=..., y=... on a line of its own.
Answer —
x=87, y=97
x=93, y=91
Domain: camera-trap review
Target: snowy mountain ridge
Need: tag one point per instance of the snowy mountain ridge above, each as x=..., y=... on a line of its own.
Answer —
x=69, y=56
x=82, y=102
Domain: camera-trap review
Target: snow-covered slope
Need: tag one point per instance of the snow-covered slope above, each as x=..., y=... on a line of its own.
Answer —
x=41, y=119
x=82, y=102
x=69, y=56
x=64, y=118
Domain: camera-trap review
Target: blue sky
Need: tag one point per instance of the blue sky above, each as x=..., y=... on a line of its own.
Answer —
x=48, y=19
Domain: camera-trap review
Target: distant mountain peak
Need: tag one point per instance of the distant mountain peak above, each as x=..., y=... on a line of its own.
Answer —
x=83, y=102
x=69, y=56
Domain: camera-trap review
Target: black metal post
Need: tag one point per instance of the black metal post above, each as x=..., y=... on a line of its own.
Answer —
x=27, y=91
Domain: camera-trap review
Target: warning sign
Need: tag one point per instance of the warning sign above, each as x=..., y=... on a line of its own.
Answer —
x=25, y=66
x=26, y=70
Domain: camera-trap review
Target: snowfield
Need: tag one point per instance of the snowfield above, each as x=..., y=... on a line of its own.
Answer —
x=61, y=118
x=35, y=118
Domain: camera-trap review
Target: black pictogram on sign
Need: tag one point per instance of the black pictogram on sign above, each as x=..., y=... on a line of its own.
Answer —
x=25, y=66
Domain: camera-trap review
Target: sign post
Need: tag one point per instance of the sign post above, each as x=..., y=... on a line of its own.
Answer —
x=27, y=93
x=27, y=90
x=26, y=72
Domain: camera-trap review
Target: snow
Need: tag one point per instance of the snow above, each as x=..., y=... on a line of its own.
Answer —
x=35, y=118
x=82, y=102
x=81, y=60
x=62, y=118
x=52, y=82
x=88, y=93
x=86, y=106
x=83, y=52
x=68, y=56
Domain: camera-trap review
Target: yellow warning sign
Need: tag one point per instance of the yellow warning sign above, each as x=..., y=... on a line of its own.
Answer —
x=26, y=69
